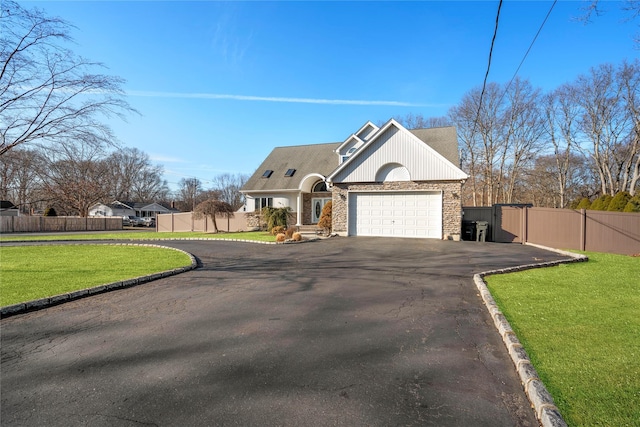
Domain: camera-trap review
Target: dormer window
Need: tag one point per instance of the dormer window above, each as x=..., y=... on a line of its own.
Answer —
x=267, y=173
x=351, y=151
x=290, y=172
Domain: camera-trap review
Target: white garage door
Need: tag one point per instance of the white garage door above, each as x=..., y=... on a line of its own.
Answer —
x=408, y=214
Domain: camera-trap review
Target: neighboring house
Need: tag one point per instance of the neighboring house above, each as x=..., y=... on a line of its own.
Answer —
x=382, y=181
x=118, y=208
x=8, y=209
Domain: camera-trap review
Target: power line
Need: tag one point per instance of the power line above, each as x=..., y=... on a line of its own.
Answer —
x=528, y=50
x=486, y=76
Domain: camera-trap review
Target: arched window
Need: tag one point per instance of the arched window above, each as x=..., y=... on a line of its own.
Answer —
x=393, y=172
x=319, y=187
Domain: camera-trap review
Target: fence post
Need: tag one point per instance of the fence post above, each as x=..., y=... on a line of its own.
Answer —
x=493, y=222
x=525, y=225
x=583, y=229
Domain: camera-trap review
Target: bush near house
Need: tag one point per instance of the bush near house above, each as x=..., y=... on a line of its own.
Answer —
x=278, y=229
x=274, y=217
x=325, y=217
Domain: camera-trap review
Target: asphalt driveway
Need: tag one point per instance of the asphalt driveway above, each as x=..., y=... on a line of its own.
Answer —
x=346, y=332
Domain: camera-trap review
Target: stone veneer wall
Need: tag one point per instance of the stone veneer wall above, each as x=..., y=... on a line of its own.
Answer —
x=255, y=221
x=451, y=202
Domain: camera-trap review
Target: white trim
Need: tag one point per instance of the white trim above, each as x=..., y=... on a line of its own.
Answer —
x=285, y=190
x=304, y=180
x=299, y=209
x=347, y=141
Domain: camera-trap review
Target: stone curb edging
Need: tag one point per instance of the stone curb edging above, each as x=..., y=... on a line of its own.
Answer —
x=546, y=411
x=38, y=304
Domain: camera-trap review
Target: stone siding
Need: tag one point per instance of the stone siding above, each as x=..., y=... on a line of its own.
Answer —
x=451, y=202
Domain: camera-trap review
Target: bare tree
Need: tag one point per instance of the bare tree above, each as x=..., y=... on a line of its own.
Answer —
x=632, y=7
x=228, y=188
x=524, y=126
x=561, y=113
x=418, y=121
x=189, y=194
x=482, y=131
x=211, y=208
x=73, y=178
x=609, y=123
x=629, y=77
x=49, y=95
x=134, y=177
x=18, y=178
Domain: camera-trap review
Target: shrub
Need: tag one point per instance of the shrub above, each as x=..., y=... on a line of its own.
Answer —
x=619, y=202
x=325, y=217
x=281, y=237
x=601, y=203
x=50, y=212
x=290, y=232
x=585, y=203
x=296, y=237
x=276, y=216
x=633, y=205
x=278, y=229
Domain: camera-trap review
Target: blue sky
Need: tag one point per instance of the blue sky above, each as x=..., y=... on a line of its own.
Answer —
x=219, y=84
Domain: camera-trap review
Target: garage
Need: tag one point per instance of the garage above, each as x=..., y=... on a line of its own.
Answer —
x=396, y=214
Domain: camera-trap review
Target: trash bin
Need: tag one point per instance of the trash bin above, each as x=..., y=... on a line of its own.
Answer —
x=468, y=230
x=482, y=227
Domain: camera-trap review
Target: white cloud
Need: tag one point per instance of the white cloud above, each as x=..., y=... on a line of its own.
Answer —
x=153, y=94
x=168, y=159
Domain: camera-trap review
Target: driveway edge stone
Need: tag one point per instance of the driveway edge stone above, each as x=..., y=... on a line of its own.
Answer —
x=38, y=304
x=540, y=398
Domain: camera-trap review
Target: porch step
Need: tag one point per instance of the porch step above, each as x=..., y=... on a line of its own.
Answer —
x=309, y=230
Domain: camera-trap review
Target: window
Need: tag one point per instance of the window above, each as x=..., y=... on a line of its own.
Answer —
x=267, y=173
x=290, y=172
x=263, y=202
x=319, y=187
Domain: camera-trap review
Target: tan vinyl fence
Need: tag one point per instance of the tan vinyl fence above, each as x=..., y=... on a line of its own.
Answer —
x=184, y=221
x=26, y=224
x=598, y=231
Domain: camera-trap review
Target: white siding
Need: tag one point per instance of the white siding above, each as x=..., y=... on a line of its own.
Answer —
x=396, y=146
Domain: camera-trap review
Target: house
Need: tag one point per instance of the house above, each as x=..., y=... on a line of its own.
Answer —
x=382, y=181
x=117, y=208
x=8, y=209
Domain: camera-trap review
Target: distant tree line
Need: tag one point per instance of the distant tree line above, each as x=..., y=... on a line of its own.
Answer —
x=73, y=177
x=520, y=145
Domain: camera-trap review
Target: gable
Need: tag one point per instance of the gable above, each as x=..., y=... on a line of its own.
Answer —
x=394, y=145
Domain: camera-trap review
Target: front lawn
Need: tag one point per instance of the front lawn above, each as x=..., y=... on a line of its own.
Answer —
x=259, y=236
x=580, y=325
x=33, y=272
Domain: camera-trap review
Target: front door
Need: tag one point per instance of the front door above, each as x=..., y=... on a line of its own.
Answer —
x=316, y=208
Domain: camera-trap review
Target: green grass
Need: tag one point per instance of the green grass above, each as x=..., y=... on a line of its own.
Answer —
x=32, y=272
x=580, y=325
x=259, y=236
